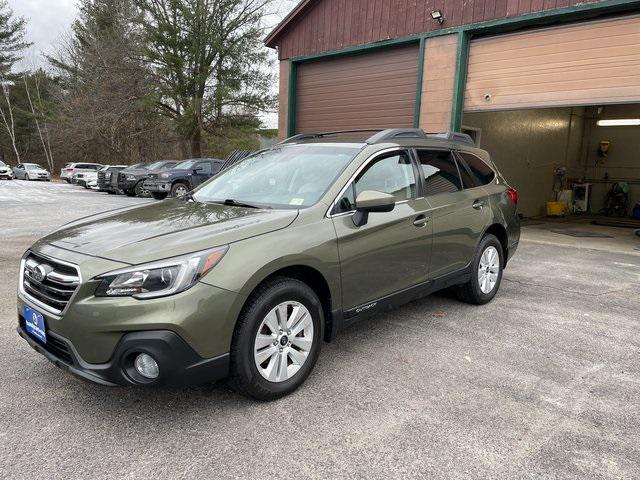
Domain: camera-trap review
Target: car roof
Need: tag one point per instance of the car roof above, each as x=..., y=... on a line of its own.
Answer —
x=402, y=137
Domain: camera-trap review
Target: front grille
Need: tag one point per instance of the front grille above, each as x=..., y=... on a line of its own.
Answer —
x=55, y=346
x=48, y=281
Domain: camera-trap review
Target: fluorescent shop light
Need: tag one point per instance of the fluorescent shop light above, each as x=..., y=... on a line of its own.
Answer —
x=619, y=122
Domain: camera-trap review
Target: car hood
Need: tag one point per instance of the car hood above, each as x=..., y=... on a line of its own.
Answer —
x=165, y=229
x=136, y=171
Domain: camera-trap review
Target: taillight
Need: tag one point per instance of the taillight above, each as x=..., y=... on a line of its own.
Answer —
x=512, y=193
x=69, y=169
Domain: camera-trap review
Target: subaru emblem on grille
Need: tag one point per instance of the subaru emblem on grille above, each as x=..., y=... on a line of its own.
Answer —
x=41, y=271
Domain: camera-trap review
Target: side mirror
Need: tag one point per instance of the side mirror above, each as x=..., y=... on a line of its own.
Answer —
x=198, y=169
x=371, y=201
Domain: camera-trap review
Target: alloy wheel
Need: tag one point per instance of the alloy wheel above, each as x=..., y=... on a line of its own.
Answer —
x=180, y=190
x=283, y=341
x=488, y=269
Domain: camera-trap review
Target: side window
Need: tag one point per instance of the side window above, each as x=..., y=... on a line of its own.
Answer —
x=216, y=166
x=481, y=172
x=440, y=172
x=392, y=174
x=204, y=168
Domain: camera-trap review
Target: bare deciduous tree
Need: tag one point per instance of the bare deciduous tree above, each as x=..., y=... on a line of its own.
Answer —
x=7, y=117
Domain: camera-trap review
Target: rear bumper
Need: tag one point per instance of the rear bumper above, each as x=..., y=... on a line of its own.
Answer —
x=178, y=363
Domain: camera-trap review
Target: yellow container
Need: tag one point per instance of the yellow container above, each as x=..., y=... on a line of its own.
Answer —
x=557, y=209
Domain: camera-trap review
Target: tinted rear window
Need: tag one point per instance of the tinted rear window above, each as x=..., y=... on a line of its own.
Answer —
x=481, y=173
x=440, y=172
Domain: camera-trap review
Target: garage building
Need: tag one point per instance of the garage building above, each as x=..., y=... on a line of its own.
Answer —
x=559, y=79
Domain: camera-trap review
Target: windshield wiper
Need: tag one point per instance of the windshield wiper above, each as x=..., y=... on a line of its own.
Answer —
x=187, y=197
x=231, y=201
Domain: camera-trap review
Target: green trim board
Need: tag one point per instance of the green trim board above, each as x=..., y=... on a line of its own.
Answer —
x=292, y=98
x=460, y=80
x=561, y=15
x=420, y=76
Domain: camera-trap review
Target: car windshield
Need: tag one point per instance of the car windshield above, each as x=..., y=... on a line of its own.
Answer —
x=155, y=166
x=32, y=166
x=2, y=164
x=290, y=176
x=186, y=165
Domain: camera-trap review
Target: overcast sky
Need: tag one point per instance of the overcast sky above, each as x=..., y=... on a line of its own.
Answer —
x=50, y=20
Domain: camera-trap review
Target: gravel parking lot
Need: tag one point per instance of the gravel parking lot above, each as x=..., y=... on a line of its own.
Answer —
x=542, y=382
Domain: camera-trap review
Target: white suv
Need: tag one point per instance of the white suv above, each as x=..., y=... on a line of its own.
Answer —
x=72, y=170
x=5, y=171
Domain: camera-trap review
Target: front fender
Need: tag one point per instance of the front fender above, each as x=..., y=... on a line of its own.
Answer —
x=307, y=244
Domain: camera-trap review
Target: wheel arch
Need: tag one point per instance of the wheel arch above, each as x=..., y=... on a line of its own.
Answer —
x=312, y=277
x=184, y=181
x=500, y=232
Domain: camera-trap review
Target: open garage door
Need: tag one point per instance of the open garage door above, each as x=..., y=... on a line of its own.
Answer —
x=591, y=63
x=374, y=90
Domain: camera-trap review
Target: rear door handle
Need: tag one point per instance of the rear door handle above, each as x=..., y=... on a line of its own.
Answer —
x=478, y=204
x=421, y=221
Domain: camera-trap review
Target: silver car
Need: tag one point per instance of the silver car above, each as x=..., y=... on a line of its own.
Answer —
x=5, y=171
x=31, y=171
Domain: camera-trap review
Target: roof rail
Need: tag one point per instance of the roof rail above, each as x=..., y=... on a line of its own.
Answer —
x=309, y=136
x=453, y=137
x=391, y=133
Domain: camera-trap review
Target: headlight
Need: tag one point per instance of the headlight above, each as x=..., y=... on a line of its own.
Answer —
x=159, y=279
x=165, y=175
x=130, y=177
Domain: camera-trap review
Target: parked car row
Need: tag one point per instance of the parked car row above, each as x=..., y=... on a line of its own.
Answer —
x=24, y=171
x=158, y=179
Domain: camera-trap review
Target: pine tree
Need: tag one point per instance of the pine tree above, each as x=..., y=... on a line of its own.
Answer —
x=12, y=38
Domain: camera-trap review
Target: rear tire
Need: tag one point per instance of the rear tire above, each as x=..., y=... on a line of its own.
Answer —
x=277, y=313
x=159, y=195
x=486, y=273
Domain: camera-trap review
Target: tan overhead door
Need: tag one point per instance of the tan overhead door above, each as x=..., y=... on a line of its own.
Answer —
x=372, y=90
x=589, y=63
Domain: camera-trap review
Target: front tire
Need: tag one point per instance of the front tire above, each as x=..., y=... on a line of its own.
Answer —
x=140, y=191
x=486, y=272
x=277, y=339
x=179, y=189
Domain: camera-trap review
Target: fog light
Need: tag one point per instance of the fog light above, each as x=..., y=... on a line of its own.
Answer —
x=147, y=366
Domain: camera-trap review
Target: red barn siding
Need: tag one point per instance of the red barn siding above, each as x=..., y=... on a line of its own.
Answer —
x=334, y=24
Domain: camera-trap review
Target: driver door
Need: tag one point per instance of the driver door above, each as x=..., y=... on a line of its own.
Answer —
x=201, y=173
x=391, y=251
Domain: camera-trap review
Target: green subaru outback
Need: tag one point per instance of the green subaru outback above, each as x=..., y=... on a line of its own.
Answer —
x=247, y=276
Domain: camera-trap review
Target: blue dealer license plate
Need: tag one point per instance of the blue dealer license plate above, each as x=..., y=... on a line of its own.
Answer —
x=34, y=323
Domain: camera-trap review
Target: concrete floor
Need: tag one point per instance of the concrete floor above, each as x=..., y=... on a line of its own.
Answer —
x=542, y=382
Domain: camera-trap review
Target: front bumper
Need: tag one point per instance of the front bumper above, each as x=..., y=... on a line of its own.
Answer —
x=178, y=363
x=8, y=175
x=157, y=186
x=124, y=184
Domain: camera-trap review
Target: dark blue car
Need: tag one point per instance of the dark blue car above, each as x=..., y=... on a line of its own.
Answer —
x=182, y=178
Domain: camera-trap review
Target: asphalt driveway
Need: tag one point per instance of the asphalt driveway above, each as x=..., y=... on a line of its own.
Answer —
x=542, y=382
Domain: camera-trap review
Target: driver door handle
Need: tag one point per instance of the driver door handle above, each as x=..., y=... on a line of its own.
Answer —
x=421, y=221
